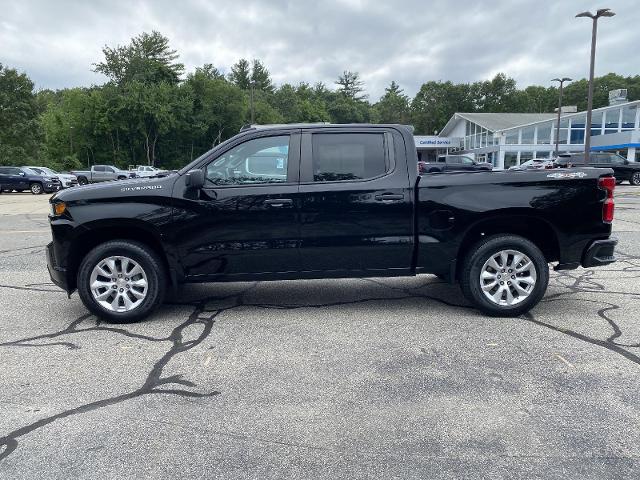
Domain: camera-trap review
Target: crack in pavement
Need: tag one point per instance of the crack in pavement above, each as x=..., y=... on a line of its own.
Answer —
x=205, y=317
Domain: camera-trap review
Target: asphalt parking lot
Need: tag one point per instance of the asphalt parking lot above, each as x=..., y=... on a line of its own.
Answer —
x=374, y=378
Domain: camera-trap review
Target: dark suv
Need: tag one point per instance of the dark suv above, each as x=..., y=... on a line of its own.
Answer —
x=623, y=169
x=21, y=179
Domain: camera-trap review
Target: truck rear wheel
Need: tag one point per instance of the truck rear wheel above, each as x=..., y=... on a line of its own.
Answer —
x=504, y=275
x=121, y=281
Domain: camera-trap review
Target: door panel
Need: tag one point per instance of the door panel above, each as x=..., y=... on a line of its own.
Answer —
x=355, y=226
x=225, y=232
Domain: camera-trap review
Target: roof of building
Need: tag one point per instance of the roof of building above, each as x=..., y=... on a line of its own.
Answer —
x=504, y=121
x=498, y=121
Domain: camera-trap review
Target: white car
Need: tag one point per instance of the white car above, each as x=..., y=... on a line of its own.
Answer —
x=148, y=171
x=66, y=179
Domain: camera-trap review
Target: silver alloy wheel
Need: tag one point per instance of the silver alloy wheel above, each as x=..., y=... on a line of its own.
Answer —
x=636, y=178
x=508, y=277
x=118, y=284
x=36, y=188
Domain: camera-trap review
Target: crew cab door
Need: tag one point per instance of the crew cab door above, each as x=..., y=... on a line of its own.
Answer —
x=356, y=212
x=244, y=221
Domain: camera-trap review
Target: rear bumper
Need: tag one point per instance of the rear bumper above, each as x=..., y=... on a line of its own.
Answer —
x=58, y=275
x=599, y=252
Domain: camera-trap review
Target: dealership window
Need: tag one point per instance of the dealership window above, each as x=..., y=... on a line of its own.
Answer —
x=527, y=135
x=348, y=156
x=629, y=117
x=562, y=137
x=611, y=120
x=510, y=159
x=544, y=134
x=512, y=137
x=525, y=156
x=596, y=123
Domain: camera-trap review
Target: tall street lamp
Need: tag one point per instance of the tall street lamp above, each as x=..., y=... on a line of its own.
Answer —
x=561, y=81
x=603, y=12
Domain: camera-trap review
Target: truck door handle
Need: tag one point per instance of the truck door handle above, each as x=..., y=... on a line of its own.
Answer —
x=386, y=197
x=279, y=202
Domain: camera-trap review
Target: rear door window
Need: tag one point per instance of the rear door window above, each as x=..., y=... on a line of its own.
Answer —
x=348, y=156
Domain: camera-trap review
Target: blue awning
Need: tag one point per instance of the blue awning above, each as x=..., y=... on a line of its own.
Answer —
x=616, y=147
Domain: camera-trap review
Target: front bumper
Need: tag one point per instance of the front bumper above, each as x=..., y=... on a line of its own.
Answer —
x=58, y=274
x=51, y=187
x=599, y=253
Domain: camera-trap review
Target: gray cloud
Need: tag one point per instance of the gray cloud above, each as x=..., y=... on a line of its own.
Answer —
x=409, y=41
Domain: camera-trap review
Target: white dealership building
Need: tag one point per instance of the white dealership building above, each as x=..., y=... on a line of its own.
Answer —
x=507, y=139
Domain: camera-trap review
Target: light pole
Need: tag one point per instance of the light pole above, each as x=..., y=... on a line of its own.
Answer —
x=561, y=81
x=603, y=12
x=252, y=107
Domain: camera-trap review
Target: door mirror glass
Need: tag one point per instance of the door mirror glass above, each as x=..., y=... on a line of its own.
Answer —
x=195, y=179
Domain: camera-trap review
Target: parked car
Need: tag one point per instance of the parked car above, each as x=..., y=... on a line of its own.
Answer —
x=453, y=163
x=535, y=164
x=149, y=171
x=330, y=201
x=21, y=179
x=101, y=173
x=66, y=179
x=623, y=169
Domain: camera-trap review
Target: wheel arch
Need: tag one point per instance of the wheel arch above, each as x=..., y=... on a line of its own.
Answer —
x=123, y=229
x=535, y=229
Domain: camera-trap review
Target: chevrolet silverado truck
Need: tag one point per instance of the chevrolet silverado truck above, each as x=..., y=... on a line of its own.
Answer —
x=101, y=173
x=327, y=201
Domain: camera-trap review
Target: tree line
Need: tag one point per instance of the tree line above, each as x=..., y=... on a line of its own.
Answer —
x=151, y=112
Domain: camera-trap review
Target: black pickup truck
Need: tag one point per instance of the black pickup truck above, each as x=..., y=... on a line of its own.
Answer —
x=327, y=201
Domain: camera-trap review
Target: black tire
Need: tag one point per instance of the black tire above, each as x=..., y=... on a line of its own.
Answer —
x=145, y=257
x=480, y=253
x=122, y=178
x=635, y=179
x=36, y=188
x=82, y=180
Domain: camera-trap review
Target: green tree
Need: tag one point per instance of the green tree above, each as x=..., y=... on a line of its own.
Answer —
x=240, y=74
x=147, y=59
x=350, y=84
x=260, y=77
x=20, y=133
x=393, y=106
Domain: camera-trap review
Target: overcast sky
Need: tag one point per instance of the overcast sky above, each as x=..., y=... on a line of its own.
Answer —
x=55, y=42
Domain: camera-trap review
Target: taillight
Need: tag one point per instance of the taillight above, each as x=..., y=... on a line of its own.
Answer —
x=608, y=184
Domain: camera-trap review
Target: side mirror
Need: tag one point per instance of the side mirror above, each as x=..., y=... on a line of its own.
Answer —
x=195, y=179
x=22, y=174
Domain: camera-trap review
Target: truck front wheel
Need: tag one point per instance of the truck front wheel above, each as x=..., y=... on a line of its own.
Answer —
x=121, y=281
x=504, y=275
x=82, y=180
